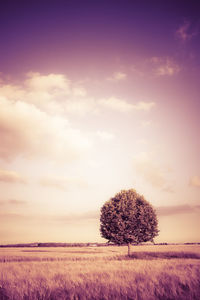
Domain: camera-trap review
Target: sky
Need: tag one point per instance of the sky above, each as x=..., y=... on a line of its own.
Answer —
x=98, y=97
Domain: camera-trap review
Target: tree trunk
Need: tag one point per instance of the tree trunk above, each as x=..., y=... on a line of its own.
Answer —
x=129, y=249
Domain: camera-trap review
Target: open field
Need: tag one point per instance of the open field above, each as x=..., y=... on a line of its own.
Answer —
x=153, y=272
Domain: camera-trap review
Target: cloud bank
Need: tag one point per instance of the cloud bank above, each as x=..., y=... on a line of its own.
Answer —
x=34, y=117
x=28, y=130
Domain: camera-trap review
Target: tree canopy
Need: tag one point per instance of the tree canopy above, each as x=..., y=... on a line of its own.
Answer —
x=128, y=218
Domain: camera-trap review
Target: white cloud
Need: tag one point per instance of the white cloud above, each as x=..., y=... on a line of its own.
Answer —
x=156, y=66
x=55, y=94
x=34, y=117
x=164, y=66
x=184, y=33
x=50, y=82
x=116, y=104
x=80, y=107
x=123, y=106
x=11, y=177
x=27, y=131
x=79, y=91
x=33, y=114
x=117, y=76
x=52, y=93
x=12, y=92
x=195, y=181
x=168, y=69
x=143, y=105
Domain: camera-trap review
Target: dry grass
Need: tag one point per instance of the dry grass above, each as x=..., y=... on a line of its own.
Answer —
x=153, y=272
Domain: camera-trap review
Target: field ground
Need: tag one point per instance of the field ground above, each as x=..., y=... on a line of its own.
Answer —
x=164, y=272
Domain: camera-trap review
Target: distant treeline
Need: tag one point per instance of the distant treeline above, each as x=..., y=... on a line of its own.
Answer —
x=56, y=245
x=82, y=244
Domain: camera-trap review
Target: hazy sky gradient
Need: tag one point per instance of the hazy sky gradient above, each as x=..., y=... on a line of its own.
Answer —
x=95, y=97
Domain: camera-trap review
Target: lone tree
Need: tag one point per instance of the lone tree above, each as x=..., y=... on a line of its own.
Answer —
x=128, y=219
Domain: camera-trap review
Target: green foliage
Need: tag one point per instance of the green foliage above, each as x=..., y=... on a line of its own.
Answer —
x=128, y=218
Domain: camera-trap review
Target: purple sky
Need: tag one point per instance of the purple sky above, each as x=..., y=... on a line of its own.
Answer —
x=60, y=35
x=95, y=97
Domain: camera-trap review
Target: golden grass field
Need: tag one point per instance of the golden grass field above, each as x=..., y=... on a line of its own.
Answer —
x=152, y=272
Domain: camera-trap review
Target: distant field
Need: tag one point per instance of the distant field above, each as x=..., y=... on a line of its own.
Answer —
x=165, y=272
